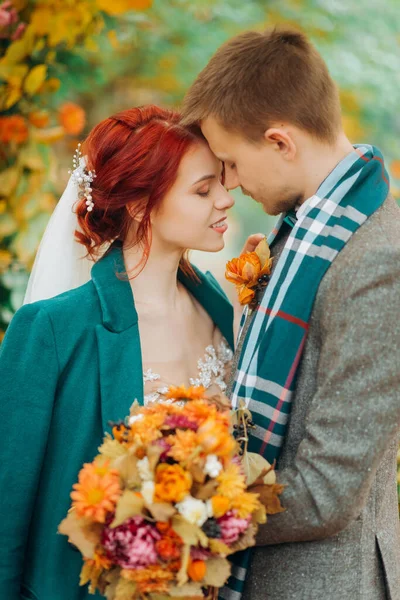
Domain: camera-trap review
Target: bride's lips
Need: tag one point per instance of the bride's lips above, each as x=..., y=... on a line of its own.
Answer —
x=220, y=226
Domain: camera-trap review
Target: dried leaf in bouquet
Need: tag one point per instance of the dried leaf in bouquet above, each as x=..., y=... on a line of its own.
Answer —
x=161, y=511
x=246, y=540
x=82, y=535
x=128, y=470
x=217, y=572
x=112, y=578
x=254, y=466
x=129, y=505
x=190, y=590
x=218, y=547
x=269, y=497
x=182, y=575
x=206, y=491
x=125, y=590
x=191, y=534
x=111, y=448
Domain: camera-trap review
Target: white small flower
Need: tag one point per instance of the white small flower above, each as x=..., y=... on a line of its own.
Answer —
x=147, y=492
x=134, y=418
x=193, y=510
x=144, y=469
x=213, y=467
x=210, y=510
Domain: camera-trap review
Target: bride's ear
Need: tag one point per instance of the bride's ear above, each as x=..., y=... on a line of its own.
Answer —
x=136, y=210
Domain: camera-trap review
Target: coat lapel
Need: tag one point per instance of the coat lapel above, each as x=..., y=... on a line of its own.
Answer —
x=120, y=356
x=118, y=339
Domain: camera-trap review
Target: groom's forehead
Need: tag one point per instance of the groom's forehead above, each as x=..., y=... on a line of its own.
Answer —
x=218, y=138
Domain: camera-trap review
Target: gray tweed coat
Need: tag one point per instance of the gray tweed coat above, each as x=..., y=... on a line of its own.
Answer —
x=339, y=538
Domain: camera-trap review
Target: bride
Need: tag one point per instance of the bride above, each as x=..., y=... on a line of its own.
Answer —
x=145, y=191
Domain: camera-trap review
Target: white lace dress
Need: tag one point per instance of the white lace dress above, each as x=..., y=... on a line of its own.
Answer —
x=213, y=369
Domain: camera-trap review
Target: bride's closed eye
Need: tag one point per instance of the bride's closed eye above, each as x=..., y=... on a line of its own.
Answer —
x=203, y=193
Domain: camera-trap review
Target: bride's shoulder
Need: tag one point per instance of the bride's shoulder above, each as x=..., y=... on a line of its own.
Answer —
x=79, y=305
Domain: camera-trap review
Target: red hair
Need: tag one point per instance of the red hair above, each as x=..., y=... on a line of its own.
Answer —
x=136, y=156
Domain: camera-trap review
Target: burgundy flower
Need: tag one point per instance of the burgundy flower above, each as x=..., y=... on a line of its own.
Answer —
x=131, y=544
x=232, y=527
x=180, y=422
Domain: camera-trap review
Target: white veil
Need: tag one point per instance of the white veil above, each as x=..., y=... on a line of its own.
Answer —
x=61, y=263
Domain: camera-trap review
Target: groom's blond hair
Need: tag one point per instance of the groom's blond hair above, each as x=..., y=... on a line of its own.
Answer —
x=256, y=79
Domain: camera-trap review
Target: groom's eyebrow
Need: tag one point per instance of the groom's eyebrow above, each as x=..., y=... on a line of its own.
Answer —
x=205, y=178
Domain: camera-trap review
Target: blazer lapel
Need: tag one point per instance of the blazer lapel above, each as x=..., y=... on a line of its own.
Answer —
x=120, y=356
x=118, y=338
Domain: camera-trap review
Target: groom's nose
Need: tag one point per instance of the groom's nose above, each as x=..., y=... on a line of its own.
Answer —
x=231, y=179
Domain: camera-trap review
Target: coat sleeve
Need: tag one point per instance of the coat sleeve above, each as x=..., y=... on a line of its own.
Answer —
x=28, y=379
x=355, y=414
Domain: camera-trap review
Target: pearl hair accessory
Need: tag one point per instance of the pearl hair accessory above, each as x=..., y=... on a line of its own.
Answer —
x=83, y=178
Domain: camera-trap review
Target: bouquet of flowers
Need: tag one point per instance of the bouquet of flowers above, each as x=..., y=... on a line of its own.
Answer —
x=158, y=511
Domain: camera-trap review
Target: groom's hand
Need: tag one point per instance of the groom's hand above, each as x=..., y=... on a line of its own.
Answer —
x=252, y=242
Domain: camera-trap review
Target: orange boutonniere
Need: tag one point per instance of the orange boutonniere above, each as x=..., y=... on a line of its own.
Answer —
x=250, y=272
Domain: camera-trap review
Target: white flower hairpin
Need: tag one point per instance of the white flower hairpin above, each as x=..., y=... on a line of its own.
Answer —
x=83, y=178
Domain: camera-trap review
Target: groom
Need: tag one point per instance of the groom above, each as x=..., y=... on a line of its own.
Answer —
x=318, y=361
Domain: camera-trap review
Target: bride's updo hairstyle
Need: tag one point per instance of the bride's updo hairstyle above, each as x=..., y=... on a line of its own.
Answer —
x=136, y=156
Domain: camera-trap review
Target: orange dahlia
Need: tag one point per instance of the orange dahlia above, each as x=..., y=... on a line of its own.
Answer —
x=199, y=410
x=72, y=118
x=184, y=393
x=215, y=438
x=183, y=445
x=246, y=270
x=13, y=129
x=172, y=483
x=97, y=492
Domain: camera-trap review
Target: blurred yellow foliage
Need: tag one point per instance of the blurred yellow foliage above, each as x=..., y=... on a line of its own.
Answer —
x=118, y=7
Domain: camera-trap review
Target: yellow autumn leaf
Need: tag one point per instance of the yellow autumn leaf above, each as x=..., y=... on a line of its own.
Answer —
x=12, y=73
x=41, y=20
x=129, y=505
x=20, y=49
x=5, y=260
x=118, y=7
x=34, y=79
x=8, y=180
x=8, y=225
x=12, y=96
x=31, y=159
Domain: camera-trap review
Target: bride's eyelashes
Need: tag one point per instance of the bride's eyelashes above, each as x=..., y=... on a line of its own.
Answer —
x=204, y=194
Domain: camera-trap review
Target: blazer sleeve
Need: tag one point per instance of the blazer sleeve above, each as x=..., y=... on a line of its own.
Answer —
x=28, y=380
x=355, y=414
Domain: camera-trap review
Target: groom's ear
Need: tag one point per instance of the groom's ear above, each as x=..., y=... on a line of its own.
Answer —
x=281, y=141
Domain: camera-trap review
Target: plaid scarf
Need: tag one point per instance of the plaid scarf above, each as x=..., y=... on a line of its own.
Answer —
x=267, y=369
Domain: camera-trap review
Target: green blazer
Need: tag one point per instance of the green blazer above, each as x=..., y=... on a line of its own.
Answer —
x=68, y=366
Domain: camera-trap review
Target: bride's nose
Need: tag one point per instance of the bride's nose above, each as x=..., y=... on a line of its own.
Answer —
x=224, y=200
